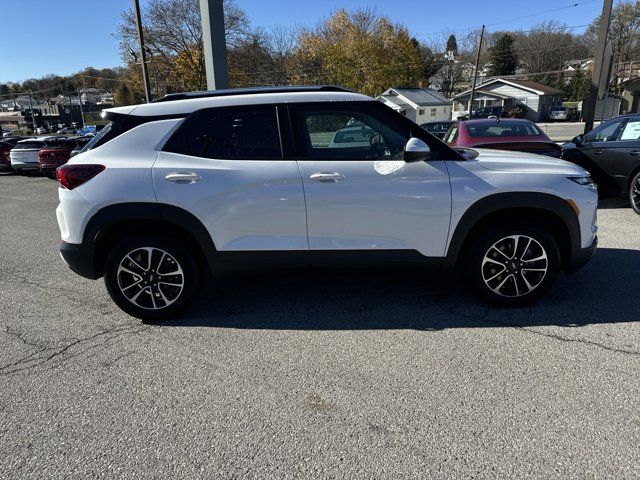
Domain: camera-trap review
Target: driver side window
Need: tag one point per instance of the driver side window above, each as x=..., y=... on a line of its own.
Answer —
x=350, y=135
x=605, y=132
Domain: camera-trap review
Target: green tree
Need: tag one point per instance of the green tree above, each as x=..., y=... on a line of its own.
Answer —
x=561, y=83
x=452, y=44
x=579, y=86
x=503, y=57
x=429, y=64
x=123, y=95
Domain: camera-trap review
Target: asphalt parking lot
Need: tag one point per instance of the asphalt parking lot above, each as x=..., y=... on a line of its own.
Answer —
x=320, y=377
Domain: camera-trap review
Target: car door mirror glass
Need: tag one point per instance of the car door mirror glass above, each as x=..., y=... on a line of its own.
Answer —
x=416, y=151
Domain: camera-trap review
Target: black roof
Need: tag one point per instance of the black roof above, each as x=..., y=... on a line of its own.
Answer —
x=250, y=91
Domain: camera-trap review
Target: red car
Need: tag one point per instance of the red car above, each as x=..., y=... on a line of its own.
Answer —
x=502, y=134
x=54, y=154
x=5, y=147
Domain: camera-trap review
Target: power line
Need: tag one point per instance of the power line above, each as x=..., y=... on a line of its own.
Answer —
x=577, y=4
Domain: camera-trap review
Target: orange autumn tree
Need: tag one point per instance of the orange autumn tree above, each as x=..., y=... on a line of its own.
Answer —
x=358, y=50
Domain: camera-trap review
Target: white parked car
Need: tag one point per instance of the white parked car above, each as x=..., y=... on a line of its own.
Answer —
x=24, y=156
x=255, y=177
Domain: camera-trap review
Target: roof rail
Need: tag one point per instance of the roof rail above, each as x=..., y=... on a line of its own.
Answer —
x=251, y=91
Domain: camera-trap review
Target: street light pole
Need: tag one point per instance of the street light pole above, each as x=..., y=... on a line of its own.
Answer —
x=145, y=75
x=589, y=106
x=214, y=43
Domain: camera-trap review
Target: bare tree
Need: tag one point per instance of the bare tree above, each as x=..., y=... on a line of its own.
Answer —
x=173, y=34
x=546, y=47
x=624, y=32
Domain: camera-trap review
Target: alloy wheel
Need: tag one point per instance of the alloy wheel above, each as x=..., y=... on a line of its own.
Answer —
x=150, y=278
x=635, y=193
x=514, y=266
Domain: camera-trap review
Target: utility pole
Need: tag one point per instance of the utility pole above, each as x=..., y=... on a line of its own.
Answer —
x=33, y=115
x=215, y=44
x=145, y=75
x=589, y=106
x=81, y=109
x=475, y=72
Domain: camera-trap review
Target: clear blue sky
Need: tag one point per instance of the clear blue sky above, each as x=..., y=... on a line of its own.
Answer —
x=38, y=37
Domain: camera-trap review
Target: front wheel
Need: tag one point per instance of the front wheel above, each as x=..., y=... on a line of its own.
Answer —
x=514, y=266
x=634, y=193
x=151, y=277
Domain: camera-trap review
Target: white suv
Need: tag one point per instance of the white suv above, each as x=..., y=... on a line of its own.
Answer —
x=303, y=176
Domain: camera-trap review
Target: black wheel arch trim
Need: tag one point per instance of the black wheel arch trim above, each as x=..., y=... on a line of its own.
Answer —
x=497, y=202
x=105, y=218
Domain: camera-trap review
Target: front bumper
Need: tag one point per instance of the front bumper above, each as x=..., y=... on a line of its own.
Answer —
x=79, y=257
x=581, y=256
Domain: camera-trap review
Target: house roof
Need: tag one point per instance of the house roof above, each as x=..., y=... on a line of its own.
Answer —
x=394, y=99
x=534, y=87
x=488, y=93
x=545, y=89
x=419, y=96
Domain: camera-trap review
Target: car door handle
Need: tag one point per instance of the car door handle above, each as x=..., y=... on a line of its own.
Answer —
x=634, y=152
x=182, y=177
x=327, y=177
x=597, y=152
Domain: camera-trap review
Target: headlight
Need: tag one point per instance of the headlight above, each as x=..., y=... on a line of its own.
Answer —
x=585, y=181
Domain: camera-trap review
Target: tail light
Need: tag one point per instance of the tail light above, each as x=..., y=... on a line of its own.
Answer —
x=72, y=176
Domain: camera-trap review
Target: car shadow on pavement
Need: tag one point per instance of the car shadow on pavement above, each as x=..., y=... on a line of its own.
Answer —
x=604, y=291
x=613, y=203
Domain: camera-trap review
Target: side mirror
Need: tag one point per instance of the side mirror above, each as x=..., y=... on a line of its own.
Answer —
x=578, y=140
x=416, y=151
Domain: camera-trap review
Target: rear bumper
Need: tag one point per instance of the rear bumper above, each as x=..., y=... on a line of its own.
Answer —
x=51, y=164
x=79, y=258
x=18, y=165
x=581, y=256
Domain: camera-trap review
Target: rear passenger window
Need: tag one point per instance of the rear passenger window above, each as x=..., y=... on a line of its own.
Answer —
x=229, y=133
x=631, y=130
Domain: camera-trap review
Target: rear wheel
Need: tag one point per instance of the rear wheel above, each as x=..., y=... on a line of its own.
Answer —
x=634, y=193
x=514, y=265
x=151, y=277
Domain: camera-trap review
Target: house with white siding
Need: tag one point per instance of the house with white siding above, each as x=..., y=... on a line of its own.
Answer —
x=537, y=98
x=418, y=104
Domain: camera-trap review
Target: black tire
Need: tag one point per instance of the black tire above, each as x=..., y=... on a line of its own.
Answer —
x=634, y=193
x=150, y=304
x=486, y=274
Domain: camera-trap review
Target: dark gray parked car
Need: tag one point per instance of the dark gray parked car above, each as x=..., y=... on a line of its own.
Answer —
x=611, y=152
